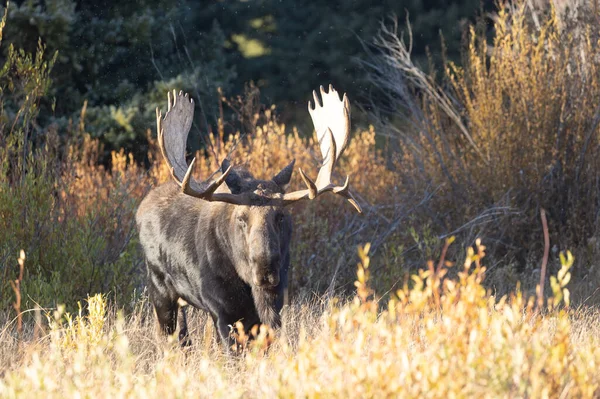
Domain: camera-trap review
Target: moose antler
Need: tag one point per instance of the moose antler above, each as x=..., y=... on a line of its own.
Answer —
x=332, y=124
x=173, y=131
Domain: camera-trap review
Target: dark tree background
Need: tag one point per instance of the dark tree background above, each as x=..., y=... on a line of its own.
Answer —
x=122, y=56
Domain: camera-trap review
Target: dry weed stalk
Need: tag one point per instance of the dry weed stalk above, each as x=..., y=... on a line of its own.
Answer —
x=540, y=287
x=16, y=286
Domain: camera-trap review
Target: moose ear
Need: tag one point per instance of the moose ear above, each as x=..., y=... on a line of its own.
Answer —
x=233, y=180
x=282, y=179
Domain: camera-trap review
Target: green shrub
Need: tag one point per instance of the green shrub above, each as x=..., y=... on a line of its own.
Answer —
x=72, y=249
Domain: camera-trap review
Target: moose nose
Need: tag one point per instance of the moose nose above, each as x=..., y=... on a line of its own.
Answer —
x=266, y=270
x=266, y=280
x=269, y=279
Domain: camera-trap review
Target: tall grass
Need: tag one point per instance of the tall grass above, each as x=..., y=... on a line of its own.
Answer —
x=440, y=338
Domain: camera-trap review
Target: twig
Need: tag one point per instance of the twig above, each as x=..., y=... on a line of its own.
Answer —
x=38, y=329
x=16, y=286
x=484, y=217
x=593, y=127
x=534, y=15
x=398, y=57
x=331, y=288
x=540, y=296
x=443, y=256
x=153, y=60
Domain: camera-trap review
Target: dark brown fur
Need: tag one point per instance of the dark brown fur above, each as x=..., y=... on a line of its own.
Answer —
x=230, y=260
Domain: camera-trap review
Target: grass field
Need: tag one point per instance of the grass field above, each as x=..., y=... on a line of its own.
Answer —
x=395, y=303
x=441, y=338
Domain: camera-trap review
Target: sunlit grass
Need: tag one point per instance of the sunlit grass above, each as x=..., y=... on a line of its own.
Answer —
x=439, y=338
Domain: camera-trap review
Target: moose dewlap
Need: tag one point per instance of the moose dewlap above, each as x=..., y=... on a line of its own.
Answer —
x=225, y=248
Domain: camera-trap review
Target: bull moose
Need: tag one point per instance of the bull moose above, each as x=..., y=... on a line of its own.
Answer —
x=225, y=248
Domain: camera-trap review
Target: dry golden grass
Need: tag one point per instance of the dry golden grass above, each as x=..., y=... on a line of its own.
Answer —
x=529, y=105
x=441, y=338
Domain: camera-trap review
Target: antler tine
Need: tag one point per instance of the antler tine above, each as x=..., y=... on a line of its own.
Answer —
x=331, y=118
x=345, y=192
x=312, y=188
x=316, y=98
x=161, y=142
x=208, y=190
x=172, y=131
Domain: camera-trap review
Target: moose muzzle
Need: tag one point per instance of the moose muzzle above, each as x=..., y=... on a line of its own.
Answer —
x=266, y=271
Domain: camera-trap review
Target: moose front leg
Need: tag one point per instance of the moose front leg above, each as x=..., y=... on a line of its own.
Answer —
x=227, y=329
x=165, y=305
x=224, y=331
x=184, y=338
x=166, y=313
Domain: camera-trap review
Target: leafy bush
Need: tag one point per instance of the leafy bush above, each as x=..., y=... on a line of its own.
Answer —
x=510, y=131
x=76, y=229
x=76, y=235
